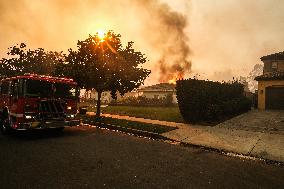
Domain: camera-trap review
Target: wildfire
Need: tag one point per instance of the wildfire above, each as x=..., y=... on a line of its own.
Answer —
x=172, y=81
x=175, y=78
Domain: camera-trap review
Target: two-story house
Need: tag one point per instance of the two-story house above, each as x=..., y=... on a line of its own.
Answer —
x=271, y=82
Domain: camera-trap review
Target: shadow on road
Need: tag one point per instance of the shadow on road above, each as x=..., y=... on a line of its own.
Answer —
x=44, y=134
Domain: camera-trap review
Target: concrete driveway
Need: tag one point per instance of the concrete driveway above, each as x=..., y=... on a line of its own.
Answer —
x=258, y=121
x=255, y=133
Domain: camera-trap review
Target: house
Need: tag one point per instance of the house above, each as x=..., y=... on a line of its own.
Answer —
x=93, y=96
x=158, y=91
x=271, y=82
x=106, y=96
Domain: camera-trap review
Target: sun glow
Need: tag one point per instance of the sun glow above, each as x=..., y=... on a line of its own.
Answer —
x=101, y=35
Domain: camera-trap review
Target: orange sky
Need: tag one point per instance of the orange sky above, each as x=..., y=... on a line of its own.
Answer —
x=225, y=38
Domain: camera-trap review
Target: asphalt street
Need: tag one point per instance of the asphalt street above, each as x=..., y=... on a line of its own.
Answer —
x=85, y=157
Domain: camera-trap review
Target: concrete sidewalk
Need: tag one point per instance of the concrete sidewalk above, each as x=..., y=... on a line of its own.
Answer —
x=256, y=133
x=257, y=144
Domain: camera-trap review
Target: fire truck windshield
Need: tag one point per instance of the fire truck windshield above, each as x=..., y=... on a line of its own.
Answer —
x=39, y=88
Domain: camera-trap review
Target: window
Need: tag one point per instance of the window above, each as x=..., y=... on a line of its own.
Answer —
x=274, y=66
x=48, y=89
x=38, y=88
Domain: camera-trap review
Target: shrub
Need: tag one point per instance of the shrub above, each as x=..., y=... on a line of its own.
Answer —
x=201, y=100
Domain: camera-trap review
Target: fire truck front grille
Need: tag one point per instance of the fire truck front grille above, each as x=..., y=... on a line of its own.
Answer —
x=51, y=109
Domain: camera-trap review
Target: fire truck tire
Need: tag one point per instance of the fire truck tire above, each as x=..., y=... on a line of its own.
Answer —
x=4, y=130
x=5, y=123
x=59, y=129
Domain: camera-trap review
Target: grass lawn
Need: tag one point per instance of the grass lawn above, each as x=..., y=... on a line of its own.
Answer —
x=128, y=124
x=158, y=113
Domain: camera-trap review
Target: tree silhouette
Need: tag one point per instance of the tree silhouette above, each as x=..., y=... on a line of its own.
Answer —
x=104, y=65
x=23, y=61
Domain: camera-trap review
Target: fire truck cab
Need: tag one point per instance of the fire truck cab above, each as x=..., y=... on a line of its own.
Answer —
x=37, y=102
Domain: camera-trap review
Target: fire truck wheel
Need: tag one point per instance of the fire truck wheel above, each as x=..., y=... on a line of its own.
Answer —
x=4, y=127
x=59, y=129
x=5, y=124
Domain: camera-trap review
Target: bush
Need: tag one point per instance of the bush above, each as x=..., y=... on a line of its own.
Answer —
x=201, y=100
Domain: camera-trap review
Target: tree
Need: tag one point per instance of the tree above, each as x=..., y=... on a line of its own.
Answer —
x=101, y=63
x=23, y=61
x=257, y=71
x=6, y=69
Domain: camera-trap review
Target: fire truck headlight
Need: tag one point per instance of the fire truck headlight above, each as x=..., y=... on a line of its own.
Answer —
x=69, y=107
x=70, y=115
x=28, y=117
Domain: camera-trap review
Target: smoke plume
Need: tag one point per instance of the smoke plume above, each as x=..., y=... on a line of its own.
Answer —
x=229, y=37
x=171, y=40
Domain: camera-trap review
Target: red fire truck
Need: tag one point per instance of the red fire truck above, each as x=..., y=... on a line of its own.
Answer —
x=37, y=102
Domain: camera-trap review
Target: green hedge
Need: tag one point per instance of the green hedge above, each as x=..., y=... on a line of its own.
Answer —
x=201, y=100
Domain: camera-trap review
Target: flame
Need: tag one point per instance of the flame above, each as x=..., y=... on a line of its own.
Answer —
x=175, y=78
x=172, y=81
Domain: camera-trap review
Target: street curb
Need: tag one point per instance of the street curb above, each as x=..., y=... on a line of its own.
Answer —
x=127, y=130
x=158, y=136
x=231, y=153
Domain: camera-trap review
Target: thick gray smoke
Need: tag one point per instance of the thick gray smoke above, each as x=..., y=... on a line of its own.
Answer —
x=170, y=38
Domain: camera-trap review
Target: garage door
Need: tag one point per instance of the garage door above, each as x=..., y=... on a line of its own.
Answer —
x=274, y=98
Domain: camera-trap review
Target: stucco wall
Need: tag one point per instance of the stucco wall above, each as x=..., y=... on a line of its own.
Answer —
x=261, y=91
x=158, y=94
x=281, y=65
